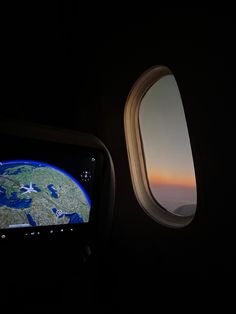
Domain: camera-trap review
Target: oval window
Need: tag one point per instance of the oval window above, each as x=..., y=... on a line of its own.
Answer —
x=159, y=149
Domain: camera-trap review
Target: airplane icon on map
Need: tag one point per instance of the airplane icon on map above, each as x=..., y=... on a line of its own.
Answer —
x=28, y=188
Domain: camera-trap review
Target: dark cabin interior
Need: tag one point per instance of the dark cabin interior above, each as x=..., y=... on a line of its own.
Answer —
x=73, y=68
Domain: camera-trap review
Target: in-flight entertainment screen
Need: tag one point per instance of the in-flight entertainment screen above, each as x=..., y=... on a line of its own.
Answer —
x=46, y=184
x=34, y=194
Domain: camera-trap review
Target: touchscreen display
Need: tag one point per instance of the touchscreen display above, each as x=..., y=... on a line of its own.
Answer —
x=33, y=193
x=45, y=183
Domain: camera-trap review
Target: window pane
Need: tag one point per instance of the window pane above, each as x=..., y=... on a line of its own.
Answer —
x=167, y=150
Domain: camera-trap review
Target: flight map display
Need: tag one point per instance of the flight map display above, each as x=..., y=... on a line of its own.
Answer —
x=34, y=193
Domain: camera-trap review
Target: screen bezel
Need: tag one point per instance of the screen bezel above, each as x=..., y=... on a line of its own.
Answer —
x=71, y=140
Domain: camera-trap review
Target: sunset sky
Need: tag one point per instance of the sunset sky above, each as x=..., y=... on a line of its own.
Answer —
x=166, y=145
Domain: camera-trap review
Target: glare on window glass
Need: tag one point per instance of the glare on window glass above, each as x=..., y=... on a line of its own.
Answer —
x=167, y=150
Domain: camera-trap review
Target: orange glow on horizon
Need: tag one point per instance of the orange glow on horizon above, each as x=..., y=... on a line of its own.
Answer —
x=165, y=179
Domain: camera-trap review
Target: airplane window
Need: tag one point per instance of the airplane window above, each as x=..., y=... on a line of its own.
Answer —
x=159, y=149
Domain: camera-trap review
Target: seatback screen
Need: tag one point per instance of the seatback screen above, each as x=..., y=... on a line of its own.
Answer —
x=46, y=186
x=34, y=193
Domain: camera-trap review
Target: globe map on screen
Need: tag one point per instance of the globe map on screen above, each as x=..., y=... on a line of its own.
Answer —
x=35, y=194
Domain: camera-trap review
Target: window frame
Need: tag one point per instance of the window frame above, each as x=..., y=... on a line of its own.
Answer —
x=135, y=150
